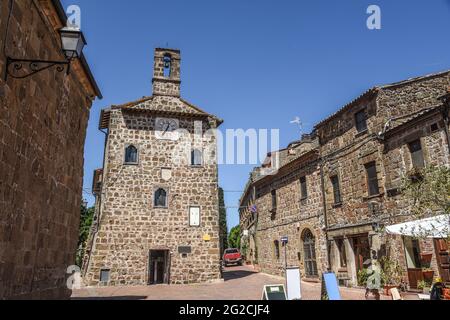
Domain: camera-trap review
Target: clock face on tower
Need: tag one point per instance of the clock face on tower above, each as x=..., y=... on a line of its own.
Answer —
x=166, y=128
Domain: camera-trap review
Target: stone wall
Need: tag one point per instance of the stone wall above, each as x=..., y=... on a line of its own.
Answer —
x=293, y=216
x=43, y=122
x=396, y=114
x=130, y=225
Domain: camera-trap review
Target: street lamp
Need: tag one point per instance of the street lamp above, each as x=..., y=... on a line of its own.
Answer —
x=72, y=44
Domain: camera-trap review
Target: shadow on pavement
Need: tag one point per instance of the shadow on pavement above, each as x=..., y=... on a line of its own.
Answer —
x=111, y=298
x=236, y=274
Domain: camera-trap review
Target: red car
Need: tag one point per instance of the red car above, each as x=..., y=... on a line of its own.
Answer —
x=232, y=256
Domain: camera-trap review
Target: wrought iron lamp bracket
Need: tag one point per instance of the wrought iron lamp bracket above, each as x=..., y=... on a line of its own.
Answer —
x=24, y=68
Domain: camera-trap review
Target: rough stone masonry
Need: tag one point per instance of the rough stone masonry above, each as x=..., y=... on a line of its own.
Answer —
x=43, y=121
x=157, y=219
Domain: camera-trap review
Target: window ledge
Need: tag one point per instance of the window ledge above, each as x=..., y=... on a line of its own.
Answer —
x=375, y=196
x=158, y=207
x=362, y=133
x=337, y=205
x=197, y=166
x=131, y=163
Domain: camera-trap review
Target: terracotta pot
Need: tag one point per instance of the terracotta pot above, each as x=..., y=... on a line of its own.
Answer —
x=426, y=257
x=428, y=275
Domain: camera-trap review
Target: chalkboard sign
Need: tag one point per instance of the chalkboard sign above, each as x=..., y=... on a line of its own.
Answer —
x=274, y=292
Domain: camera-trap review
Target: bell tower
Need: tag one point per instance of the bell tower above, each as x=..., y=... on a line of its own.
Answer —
x=166, y=72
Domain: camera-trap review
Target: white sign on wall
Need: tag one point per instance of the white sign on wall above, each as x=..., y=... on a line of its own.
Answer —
x=194, y=216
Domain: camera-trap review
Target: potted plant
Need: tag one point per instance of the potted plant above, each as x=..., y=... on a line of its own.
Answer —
x=424, y=286
x=428, y=274
x=426, y=259
x=391, y=274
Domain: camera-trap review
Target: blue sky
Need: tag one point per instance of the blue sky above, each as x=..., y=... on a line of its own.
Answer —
x=258, y=64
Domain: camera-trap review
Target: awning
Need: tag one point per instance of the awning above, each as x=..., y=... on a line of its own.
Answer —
x=434, y=227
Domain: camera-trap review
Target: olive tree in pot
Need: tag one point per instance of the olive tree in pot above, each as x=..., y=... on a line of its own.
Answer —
x=392, y=274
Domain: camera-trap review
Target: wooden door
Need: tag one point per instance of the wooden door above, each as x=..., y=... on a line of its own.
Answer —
x=362, y=251
x=414, y=277
x=443, y=259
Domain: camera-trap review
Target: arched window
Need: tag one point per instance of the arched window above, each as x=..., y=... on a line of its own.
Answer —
x=167, y=66
x=131, y=155
x=160, y=198
x=196, y=157
x=309, y=247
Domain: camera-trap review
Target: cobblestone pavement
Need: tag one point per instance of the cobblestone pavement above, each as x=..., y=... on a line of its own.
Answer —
x=241, y=283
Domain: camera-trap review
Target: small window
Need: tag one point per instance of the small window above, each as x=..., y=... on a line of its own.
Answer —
x=274, y=200
x=434, y=127
x=361, y=121
x=276, y=246
x=160, y=198
x=336, y=190
x=415, y=148
x=104, y=275
x=167, y=66
x=196, y=157
x=303, y=188
x=131, y=155
x=372, y=179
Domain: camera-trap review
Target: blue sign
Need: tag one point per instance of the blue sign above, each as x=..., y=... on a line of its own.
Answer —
x=331, y=286
x=284, y=240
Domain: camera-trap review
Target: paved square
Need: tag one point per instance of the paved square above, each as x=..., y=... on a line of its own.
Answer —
x=241, y=283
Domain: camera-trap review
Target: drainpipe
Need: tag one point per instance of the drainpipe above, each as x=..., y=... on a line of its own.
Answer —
x=324, y=203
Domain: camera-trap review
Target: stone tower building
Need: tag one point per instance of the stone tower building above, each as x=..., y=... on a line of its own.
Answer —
x=157, y=212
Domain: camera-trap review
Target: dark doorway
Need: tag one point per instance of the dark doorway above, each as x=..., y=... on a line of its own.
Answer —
x=159, y=267
x=362, y=250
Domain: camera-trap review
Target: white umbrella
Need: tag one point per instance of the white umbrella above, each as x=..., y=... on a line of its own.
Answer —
x=434, y=227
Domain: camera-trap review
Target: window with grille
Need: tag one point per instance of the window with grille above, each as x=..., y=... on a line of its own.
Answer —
x=303, y=188
x=372, y=179
x=309, y=248
x=131, y=155
x=361, y=121
x=104, y=275
x=415, y=148
x=336, y=189
x=276, y=248
x=274, y=200
x=160, y=198
x=196, y=158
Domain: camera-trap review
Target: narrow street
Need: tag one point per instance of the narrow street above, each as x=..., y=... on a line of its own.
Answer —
x=240, y=283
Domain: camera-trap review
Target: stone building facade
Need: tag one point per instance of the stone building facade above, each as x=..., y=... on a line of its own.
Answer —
x=286, y=202
x=157, y=213
x=364, y=150
x=43, y=122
